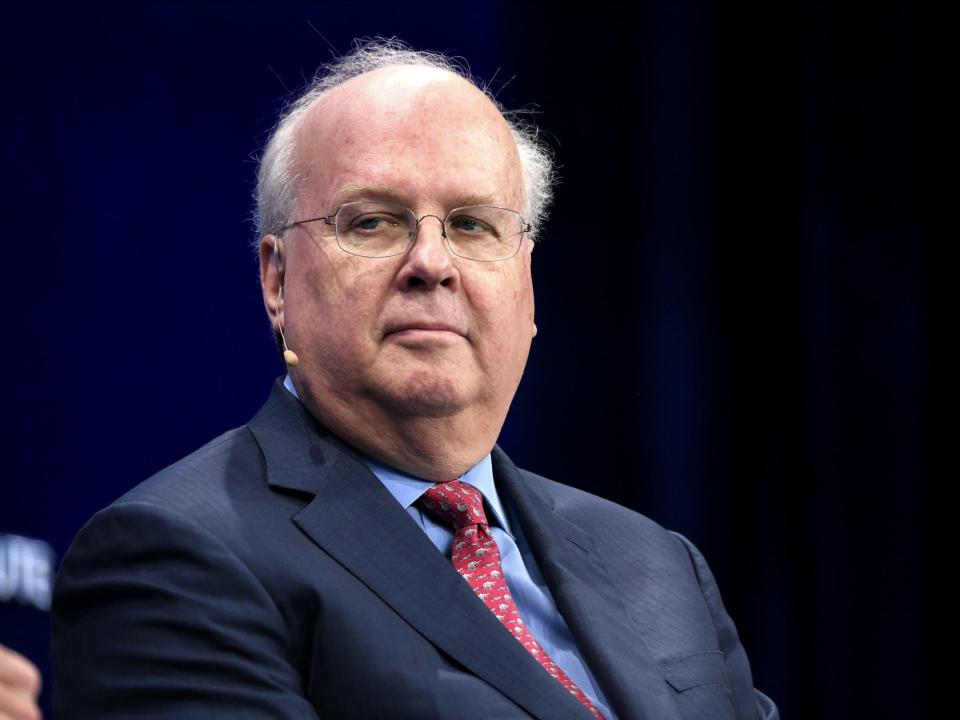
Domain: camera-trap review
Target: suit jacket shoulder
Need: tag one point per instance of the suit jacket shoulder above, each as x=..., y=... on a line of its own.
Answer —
x=269, y=574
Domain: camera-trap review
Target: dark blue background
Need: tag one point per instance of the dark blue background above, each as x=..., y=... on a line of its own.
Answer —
x=731, y=290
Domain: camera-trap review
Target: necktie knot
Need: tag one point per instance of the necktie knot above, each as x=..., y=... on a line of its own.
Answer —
x=456, y=503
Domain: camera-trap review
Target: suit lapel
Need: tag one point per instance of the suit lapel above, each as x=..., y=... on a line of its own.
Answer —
x=589, y=601
x=355, y=520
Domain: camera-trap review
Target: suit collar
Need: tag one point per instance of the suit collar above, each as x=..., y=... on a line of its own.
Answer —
x=355, y=520
x=299, y=452
x=587, y=597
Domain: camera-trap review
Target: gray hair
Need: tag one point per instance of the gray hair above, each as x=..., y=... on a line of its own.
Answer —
x=276, y=184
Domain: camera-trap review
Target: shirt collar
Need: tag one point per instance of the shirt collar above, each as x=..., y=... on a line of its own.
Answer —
x=407, y=488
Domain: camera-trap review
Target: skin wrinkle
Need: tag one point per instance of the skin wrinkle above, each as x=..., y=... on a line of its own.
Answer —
x=428, y=403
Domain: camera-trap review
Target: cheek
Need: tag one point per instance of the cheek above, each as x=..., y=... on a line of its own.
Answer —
x=528, y=298
x=336, y=298
x=507, y=308
x=521, y=292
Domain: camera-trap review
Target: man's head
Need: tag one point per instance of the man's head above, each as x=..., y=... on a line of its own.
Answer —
x=414, y=358
x=277, y=187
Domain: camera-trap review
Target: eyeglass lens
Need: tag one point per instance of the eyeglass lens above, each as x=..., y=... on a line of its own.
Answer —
x=480, y=232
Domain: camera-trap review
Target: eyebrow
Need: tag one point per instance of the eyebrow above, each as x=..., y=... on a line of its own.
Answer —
x=353, y=193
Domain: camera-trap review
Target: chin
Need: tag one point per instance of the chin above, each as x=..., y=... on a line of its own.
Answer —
x=427, y=394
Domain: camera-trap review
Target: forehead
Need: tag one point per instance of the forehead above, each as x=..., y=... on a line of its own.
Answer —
x=424, y=133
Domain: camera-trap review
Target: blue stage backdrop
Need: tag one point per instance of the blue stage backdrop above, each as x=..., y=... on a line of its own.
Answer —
x=731, y=288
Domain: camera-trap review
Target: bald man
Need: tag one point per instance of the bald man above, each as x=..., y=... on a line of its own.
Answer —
x=361, y=548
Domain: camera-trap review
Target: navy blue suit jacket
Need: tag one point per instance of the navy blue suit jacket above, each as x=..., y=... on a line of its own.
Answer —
x=271, y=575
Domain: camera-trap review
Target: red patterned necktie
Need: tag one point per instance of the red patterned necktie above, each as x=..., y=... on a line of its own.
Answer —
x=477, y=558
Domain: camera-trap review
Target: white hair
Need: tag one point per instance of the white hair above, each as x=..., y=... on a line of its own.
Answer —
x=276, y=184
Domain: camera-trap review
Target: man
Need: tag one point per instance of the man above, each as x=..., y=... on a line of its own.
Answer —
x=361, y=549
x=19, y=687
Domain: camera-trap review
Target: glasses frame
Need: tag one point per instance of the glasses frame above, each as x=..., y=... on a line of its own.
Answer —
x=331, y=219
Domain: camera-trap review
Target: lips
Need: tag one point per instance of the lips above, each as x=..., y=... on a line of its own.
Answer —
x=430, y=325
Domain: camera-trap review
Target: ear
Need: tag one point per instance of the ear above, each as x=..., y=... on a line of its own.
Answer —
x=534, y=330
x=271, y=277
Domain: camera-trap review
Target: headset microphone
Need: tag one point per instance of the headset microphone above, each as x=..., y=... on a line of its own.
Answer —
x=289, y=356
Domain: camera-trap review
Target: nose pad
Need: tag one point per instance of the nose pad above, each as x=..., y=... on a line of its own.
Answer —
x=443, y=228
x=429, y=265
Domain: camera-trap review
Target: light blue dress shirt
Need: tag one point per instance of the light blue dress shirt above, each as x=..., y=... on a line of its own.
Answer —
x=534, y=601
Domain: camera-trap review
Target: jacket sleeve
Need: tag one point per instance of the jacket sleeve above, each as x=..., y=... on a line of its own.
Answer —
x=750, y=704
x=155, y=617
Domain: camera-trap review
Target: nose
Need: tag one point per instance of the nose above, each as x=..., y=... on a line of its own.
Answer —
x=428, y=264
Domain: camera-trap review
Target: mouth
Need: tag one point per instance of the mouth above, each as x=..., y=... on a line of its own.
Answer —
x=422, y=326
x=423, y=334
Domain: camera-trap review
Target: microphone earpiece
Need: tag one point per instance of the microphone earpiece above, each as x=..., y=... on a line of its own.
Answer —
x=289, y=356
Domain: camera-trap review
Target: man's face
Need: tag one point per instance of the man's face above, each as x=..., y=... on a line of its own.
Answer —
x=425, y=333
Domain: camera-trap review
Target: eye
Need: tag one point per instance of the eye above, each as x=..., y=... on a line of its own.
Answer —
x=374, y=223
x=470, y=224
x=368, y=223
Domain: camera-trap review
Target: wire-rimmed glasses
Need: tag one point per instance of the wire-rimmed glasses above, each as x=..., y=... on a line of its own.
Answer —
x=484, y=233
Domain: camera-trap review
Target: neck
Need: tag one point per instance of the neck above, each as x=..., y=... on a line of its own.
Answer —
x=432, y=448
